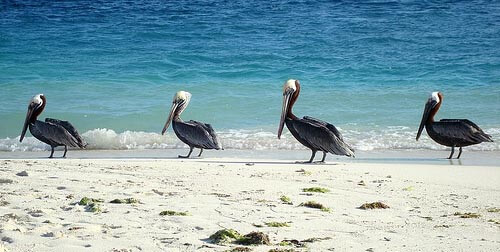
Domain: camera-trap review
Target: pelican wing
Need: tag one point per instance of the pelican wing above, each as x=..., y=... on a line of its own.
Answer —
x=321, y=137
x=211, y=132
x=329, y=126
x=196, y=134
x=69, y=127
x=53, y=134
x=462, y=130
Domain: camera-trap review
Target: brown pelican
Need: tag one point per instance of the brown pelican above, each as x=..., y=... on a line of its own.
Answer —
x=193, y=133
x=52, y=132
x=449, y=132
x=315, y=134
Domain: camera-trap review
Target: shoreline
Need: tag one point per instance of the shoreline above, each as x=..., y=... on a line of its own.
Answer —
x=424, y=157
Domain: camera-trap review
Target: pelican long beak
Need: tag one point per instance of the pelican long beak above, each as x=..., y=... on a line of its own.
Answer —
x=26, y=122
x=425, y=116
x=170, y=117
x=284, y=111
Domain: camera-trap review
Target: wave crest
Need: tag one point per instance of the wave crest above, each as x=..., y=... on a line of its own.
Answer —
x=392, y=137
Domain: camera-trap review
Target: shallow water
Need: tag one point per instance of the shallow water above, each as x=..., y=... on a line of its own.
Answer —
x=112, y=68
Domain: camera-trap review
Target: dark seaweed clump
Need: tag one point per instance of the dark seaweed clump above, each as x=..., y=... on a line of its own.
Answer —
x=467, y=215
x=254, y=238
x=174, y=213
x=125, y=201
x=316, y=190
x=314, y=204
x=374, y=205
x=232, y=236
x=239, y=249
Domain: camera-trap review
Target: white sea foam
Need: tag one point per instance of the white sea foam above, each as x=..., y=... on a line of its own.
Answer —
x=379, y=138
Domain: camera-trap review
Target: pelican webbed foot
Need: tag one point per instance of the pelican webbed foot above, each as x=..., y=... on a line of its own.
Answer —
x=188, y=155
x=310, y=160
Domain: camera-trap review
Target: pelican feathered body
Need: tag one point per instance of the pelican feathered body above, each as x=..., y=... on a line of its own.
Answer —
x=193, y=133
x=53, y=132
x=313, y=133
x=449, y=132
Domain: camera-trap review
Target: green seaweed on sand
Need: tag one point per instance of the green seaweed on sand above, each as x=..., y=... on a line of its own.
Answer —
x=92, y=205
x=173, y=213
x=225, y=236
x=314, y=204
x=277, y=224
x=286, y=200
x=494, y=221
x=239, y=249
x=282, y=250
x=291, y=242
x=285, y=243
x=86, y=201
x=316, y=189
x=374, y=205
x=409, y=188
x=125, y=201
x=467, y=215
x=493, y=210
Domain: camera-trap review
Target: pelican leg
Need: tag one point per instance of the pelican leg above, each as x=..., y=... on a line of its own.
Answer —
x=65, y=150
x=452, y=151
x=189, y=154
x=312, y=157
x=201, y=151
x=459, y=153
x=51, y=152
x=322, y=160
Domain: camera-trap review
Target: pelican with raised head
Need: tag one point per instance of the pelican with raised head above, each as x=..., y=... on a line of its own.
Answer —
x=52, y=132
x=194, y=134
x=449, y=132
x=313, y=133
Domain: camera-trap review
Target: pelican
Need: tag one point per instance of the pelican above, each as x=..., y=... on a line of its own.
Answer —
x=313, y=133
x=449, y=132
x=194, y=134
x=52, y=132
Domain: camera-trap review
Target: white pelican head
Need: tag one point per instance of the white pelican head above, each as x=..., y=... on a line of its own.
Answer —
x=180, y=102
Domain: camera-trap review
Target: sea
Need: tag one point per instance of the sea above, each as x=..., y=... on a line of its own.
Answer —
x=111, y=68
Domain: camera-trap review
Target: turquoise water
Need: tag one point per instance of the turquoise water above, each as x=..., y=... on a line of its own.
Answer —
x=112, y=68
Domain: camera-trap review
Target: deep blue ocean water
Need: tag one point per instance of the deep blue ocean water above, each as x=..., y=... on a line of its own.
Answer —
x=368, y=67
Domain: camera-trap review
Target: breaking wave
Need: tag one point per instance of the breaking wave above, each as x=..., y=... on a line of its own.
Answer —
x=387, y=138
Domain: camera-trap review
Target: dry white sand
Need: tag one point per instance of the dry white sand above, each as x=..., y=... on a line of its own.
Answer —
x=38, y=211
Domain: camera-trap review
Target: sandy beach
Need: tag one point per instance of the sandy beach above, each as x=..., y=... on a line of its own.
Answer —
x=432, y=207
